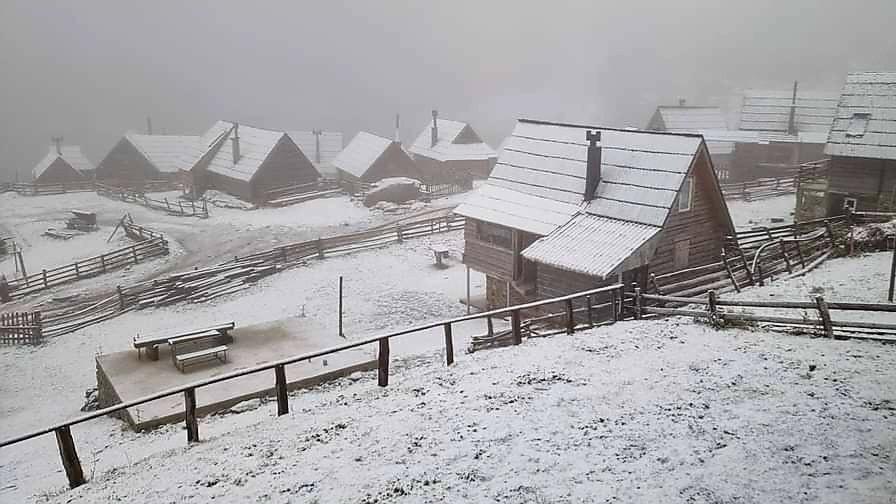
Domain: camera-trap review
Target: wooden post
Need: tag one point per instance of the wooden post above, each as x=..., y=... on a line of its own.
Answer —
x=120, y=297
x=728, y=269
x=398, y=233
x=383, y=363
x=44, y=275
x=70, y=461
x=590, y=311
x=799, y=251
x=515, y=327
x=892, y=276
x=134, y=253
x=570, y=318
x=784, y=253
x=103, y=262
x=620, y=296
x=637, y=303
x=282, y=400
x=713, y=308
x=468, y=290
x=320, y=248
x=449, y=345
x=759, y=272
x=743, y=259
x=342, y=334
x=825, y=316
x=38, y=331
x=490, y=326
x=77, y=271
x=190, y=415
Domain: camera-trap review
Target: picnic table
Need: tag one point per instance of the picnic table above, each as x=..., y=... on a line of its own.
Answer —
x=217, y=333
x=441, y=254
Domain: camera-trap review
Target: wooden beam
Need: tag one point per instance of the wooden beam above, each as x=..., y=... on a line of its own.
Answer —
x=825, y=316
x=69, y=455
x=190, y=415
x=282, y=398
x=383, y=363
x=516, y=327
x=449, y=345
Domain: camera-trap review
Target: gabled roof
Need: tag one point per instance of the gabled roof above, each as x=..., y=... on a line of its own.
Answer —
x=688, y=119
x=770, y=110
x=538, y=183
x=330, y=144
x=866, y=117
x=255, y=146
x=71, y=154
x=457, y=142
x=361, y=153
x=164, y=152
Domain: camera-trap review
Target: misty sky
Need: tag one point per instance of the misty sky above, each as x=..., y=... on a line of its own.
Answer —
x=92, y=70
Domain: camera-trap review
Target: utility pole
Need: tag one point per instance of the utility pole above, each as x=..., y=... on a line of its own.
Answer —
x=340, y=307
x=892, y=272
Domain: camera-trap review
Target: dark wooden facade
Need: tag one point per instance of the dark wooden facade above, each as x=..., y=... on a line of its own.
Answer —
x=124, y=163
x=393, y=162
x=751, y=161
x=870, y=182
x=60, y=172
x=459, y=172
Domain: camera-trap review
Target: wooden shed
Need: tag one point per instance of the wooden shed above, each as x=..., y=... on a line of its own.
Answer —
x=451, y=152
x=320, y=147
x=62, y=164
x=247, y=162
x=573, y=207
x=139, y=158
x=862, y=145
x=683, y=118
x=370, y=158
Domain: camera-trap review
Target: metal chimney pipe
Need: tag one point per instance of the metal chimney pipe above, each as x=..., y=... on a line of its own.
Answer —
x=235, y=143
x=58, y=142
x=148, y=125
x=435, y=128
x=592, y=164
x=791, y=121
x=317, y=134
x=397, y=130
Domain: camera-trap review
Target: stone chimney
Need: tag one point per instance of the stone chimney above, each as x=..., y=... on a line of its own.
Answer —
x=235, y=143
x=592, y=169
x=435, y=128
x=791, y=121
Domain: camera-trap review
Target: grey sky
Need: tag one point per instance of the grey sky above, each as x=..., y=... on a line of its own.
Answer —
x=91, y=70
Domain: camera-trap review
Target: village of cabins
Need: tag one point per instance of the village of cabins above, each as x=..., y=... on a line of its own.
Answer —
x=561, y=207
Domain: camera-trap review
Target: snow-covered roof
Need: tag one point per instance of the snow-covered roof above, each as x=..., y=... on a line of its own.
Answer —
x=722, y=141
x=457, y=141
x=255, y=145
x=687, y=119
x=164, y=152
x=360, y=154
x=71, y=154
x=330, y=144
x=770, y=110
x=595, y=246
x=865, y=125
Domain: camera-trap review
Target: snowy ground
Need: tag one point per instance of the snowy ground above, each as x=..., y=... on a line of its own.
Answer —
x=767, y=212
x=654, y=411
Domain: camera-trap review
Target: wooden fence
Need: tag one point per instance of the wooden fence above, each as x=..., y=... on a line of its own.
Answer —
x=21, y=328
x=178, y=207
x=712, y=308
x=32, y=189
x=788, y=183
x=65, y=442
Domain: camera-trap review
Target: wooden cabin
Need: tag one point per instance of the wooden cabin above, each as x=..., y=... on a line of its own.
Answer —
x=320, y=147
x=572, y=207
x=62, y=164
x=862, y=145
x=370, y=158
x=451, y=152
x=247, y=162
x=140, y=158
x=683, y=118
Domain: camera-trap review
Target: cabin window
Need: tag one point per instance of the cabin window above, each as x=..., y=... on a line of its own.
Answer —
x=858, y=124
x=494, y=234
x=682, y=253
x=850, y=203
x=686, y=194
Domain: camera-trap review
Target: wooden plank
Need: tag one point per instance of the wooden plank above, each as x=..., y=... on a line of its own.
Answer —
x=825, y=316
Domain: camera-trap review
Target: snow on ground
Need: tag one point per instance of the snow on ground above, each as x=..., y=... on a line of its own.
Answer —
x=767, y=212
x=648, y=411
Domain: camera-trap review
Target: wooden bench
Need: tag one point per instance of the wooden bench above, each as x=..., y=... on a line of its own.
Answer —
x=440, y=254
x=194, y=342
x=151, y=343
x=218, y=353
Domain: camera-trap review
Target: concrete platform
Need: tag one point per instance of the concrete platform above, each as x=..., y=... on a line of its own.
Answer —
x=122, y=377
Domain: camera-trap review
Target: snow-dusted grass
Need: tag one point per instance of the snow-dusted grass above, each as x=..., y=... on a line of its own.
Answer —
x=766, y=212
x=653, y=411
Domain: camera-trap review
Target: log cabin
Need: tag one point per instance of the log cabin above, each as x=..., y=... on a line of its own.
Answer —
x=572, y=207
x=320, y=147
x=862, y=145
x=684, y=118
x=62, y=164
x=246, y=162
x=451, y=152
x=140, y=158
x=369, y=158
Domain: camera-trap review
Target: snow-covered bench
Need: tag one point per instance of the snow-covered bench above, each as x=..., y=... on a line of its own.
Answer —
x=207, y=354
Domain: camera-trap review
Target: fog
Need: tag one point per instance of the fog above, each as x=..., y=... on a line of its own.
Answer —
x=90, y=71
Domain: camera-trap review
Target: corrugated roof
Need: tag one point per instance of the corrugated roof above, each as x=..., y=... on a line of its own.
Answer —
x=255, y=145
x=165, y=152
x=865, y=125
x=331, y=143
x=595, y=246
x=457, y=141
x=360, y=154
x=71, y=154
x=770, y=110
x=686, y=119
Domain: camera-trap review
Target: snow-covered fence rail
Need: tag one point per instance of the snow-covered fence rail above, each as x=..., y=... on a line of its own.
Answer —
x=712, y=308
x=62, y=430
x=21, y=328
x=190, y=208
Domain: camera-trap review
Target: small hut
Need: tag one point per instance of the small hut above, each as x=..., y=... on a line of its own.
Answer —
x=62, y=164
x=140, y=158
x=320, y=147
x=683, y=118
x=370, y=158
x=451, y=152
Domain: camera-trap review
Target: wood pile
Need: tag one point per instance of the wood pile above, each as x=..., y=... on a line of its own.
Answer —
x=205, y=284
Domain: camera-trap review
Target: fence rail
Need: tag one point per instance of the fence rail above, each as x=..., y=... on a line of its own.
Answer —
x=769, y=187
x=21, y=328
x=33, y=189
x=178, y=207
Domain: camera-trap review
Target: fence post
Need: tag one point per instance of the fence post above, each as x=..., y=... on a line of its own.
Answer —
x=892, y=276
x=515, y=327
x=44, y=275
x=399, y=233
x=383, y=363
x=120, y=297
x=570, y=318
x=282, y=401
x=449, y=345
x=103, y=262
x=69, y=455
x=713, y=309
x=743, y=259
x=759, y=272
x=590, y=311
x=728, y=269
x=134, y=252
x=320, y=248
x=190, y=415
x=37, y=333
x=490, y=325
x=825, y=316
x=637, y=303
x=799, y=251
x=784, y=253
x=77, y=271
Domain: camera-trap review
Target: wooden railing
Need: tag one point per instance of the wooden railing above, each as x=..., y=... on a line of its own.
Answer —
x=21, y=328
x=62, y=430
x=769, y=187
x=138, y=186
x=178, y=207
